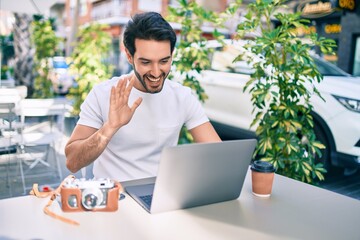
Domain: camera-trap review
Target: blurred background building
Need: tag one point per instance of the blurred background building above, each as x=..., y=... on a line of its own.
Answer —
x=338, y=20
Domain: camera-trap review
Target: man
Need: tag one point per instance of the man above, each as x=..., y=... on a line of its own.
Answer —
x=126, y=122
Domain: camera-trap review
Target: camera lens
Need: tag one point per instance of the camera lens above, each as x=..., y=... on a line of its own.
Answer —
x=72, y=201
x=91, y=198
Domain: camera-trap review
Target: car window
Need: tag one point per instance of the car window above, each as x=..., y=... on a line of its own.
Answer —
x=222, y=60
x=328, y=69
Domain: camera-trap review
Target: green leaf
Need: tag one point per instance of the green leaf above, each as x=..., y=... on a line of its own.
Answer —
x=307, y=165
x=319, y=175
x=318, y=145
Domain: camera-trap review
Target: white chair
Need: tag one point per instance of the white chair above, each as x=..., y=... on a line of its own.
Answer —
x=33, y=144
x=52, y=108
x=49, y=108
x=10, y=108
x=9, y=127
x=8, y=118
x=34, y=152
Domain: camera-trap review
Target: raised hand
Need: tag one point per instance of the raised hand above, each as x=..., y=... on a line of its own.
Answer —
x=119, y=111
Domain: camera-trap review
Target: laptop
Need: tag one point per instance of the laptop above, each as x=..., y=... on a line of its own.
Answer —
x=196, y=174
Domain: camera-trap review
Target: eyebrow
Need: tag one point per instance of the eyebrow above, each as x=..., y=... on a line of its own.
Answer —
x=145, y=59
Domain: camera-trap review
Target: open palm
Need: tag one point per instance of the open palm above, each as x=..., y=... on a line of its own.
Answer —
x=119, y=112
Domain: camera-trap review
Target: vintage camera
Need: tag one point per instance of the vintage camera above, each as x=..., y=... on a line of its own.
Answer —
x=90, y=195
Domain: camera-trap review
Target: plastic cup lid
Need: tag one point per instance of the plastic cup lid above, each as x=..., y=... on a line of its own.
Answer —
x=261, y=166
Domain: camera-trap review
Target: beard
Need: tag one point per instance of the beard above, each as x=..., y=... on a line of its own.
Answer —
x=146, y=83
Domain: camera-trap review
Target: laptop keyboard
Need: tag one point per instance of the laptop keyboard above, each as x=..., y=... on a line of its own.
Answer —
x=147, y=199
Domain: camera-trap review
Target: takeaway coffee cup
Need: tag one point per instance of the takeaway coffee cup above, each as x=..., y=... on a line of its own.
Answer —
x=262, y=174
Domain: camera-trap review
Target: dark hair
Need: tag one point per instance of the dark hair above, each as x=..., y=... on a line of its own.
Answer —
x=148, y=26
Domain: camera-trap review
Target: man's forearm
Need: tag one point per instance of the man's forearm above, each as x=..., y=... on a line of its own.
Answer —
x=83, y=152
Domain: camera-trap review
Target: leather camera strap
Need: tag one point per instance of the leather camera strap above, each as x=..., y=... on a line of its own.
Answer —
x=53, y=194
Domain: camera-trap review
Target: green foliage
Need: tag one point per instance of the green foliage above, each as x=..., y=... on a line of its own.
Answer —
x=88, y=66
x=190, y=54
x=46, y=42
x=7, y=48
x=6, y=72
x=281, y=87
x=7, y=52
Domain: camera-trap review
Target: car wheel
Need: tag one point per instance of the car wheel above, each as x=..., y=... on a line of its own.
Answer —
x=325, y=158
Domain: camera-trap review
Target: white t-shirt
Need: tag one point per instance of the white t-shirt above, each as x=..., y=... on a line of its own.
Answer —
x=134, y=151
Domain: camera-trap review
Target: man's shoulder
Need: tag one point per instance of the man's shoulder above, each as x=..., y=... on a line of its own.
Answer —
x=107, y=83
x=104, y=87
x=174, y=83
x=177, y=87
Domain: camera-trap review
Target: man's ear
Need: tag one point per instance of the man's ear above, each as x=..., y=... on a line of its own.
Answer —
x=128, y=56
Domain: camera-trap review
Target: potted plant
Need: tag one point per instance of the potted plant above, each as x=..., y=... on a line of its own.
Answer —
x=281, y=88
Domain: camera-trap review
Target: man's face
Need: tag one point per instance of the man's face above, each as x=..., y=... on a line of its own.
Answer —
x=151, y=63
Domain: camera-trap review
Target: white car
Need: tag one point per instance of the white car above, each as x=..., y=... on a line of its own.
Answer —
x=337, y=120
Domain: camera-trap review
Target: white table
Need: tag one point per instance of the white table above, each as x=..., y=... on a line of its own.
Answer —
x=294, y=211
x=28, y=107
x=49, y=107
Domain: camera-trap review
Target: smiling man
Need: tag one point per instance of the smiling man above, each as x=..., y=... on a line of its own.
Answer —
x=126, y=122
x=154, y=70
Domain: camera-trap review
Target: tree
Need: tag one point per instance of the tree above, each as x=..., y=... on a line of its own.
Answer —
x=24, y=52
x=45, y=42
x=88, y=64
x=74, y=29
x=191, y=54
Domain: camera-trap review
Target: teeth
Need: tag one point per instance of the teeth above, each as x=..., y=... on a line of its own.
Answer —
x=151, y=79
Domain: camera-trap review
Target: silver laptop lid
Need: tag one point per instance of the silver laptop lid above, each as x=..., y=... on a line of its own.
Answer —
x=201, y=173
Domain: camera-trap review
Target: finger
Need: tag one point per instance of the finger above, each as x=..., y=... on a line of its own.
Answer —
x=120, y=88
x=112, y=96
x=124, y=79
x=129, y=87
x=136, y=104
x=118, y=85
x=117, y=90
